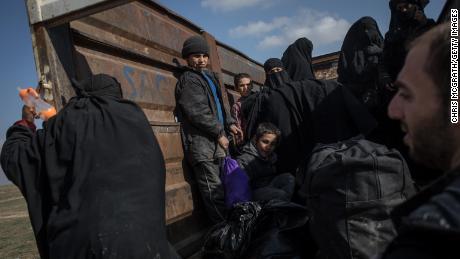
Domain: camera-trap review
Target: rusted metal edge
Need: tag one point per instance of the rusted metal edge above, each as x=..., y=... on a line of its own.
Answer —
x=102, y=6
x=219, y=43
x=122, y=33
x=164, y=124
x=154, y=106
x=177, y=17
x=169, y=128
x=325, y=58
x=72, y=15
x=86, y=41
x=173, y=160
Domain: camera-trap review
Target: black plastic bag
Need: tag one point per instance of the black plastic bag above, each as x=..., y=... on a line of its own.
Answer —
x=231, y=238
x=282, y=232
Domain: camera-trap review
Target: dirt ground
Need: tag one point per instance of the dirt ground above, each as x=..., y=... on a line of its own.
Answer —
x=16, y=235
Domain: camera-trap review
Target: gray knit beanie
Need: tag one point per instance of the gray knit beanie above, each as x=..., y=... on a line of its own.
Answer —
x=195, y=45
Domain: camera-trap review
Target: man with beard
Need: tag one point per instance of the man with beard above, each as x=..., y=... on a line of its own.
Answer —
x=93, y=177
x=204, y=122
x=428, y=224
x=297, y=60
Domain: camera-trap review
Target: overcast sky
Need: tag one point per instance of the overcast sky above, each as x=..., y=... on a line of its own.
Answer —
x=259, y=28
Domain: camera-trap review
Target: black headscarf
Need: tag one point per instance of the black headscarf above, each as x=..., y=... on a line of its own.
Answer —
x=297, y=60
x=102, y=178
x=404, y=27
x=360, y=52
x=309, y=112
x=272, y=63
x=251, y=106
x=399, y=17
x=275, y=79
x=359, y=61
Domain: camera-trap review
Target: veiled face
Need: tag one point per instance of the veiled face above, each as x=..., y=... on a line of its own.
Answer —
x=406, y=10
x=275, y=70
x=404, y=7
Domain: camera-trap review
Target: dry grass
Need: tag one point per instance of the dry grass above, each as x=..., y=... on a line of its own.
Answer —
x=16, y=235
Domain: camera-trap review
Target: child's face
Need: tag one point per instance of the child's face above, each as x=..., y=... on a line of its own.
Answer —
x=244, y=86
x=266, y=144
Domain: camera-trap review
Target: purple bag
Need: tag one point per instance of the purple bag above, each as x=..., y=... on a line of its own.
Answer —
x=235, y=182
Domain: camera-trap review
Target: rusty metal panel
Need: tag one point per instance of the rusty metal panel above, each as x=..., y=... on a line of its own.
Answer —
x=137, y=23
x=151, y=87
x=325, y=66
x=234, y=62
x=53, y=60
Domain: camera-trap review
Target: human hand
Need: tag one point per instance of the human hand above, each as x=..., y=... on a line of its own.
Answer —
x=223, y=142
x=28, y=114
x=238, y=133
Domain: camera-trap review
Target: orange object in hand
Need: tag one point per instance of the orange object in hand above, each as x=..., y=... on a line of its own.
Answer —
x=32, y=99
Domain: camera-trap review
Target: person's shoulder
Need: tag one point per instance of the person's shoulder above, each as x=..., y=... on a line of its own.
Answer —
x=441, y=211
x=188, y=74
x=189, y=77
x=247, y=151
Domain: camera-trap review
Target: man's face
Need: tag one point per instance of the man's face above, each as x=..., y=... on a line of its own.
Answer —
x=418, y=106
x=198, y=61
x=244, y=85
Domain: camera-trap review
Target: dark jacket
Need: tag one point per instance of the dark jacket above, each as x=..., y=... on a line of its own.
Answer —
x=260, y=170
x=198, y=113
x=429, y=223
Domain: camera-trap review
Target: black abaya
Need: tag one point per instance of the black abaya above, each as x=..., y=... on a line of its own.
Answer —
x=93, y=178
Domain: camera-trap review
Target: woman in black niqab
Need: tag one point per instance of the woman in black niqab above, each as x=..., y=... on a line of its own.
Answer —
x=359, y=61
x=93, y=178
x=298, y=61
x=406, y=24
x=275, y=79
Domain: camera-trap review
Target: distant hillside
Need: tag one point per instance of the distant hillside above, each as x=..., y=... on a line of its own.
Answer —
x=16, y=236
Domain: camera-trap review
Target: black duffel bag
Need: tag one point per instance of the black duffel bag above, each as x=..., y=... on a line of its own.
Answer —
x=351, y=188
